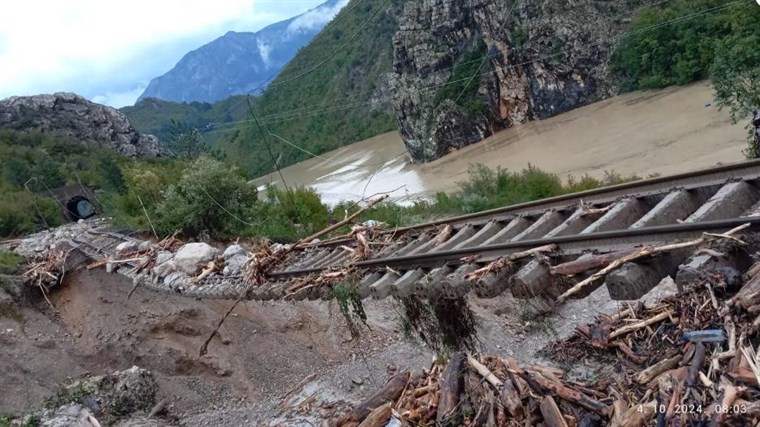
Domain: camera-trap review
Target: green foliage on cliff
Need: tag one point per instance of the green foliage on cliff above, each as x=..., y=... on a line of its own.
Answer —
x=462, y=87
x=679, y=43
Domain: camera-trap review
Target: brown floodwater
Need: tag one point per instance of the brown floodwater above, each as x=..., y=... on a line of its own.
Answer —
x=665, y=131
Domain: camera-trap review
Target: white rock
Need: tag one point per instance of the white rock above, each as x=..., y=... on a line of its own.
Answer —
x=188, y=257
x=144, y=246
x=233, y=250
x=164, y=269
x=235, y=264
x=129, y=245
x=163, y=256
x=177, y=280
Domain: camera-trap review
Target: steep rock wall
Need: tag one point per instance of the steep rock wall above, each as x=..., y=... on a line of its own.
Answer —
x=466, y=69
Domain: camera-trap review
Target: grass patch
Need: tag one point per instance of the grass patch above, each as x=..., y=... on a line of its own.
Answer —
x=10, y=263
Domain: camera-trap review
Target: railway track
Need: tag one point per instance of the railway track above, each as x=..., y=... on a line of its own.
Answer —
x=432, y=259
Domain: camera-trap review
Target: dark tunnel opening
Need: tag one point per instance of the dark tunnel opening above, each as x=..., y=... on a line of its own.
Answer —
x=79, y=207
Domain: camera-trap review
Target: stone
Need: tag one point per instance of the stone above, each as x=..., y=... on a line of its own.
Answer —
x=144, y=246
x=235, y=264
x=232, y=251
x=163, y=257
x=128, y=246
x=164, y=269
x=84, y=122
x=189, y=256
x=357, y=381
x=177, y=280
x=67, y=416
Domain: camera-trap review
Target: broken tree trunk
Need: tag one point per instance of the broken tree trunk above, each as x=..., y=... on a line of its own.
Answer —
x=450, y=387
x=565, y=393
x=337, y=225
x=658, y=368
x=550, y=411
x=589, y=263
x=390, y=392
x=378, y=417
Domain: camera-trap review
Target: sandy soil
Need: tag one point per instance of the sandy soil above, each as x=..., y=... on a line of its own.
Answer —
x=666, y=131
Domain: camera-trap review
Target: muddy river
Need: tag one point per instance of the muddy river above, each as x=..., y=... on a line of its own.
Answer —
x=666, y=131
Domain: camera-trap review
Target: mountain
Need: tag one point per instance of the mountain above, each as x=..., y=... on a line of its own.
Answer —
x=85, y=122
x=239, y=61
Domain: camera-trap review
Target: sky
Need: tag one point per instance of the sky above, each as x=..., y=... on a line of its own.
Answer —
x=108, y=51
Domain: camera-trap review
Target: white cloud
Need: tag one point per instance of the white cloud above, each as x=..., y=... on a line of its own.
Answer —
x=94, y=47
x=264, y=50
x=316, y=18
x=121, y=98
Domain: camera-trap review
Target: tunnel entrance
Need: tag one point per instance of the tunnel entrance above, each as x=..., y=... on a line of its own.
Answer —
x=79, y=207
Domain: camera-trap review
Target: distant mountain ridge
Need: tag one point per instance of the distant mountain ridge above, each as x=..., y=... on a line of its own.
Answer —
x=239, y=62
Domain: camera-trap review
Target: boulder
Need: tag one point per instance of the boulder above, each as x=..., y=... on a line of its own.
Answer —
x=177, y=280
x=108, y=397
x=144, y=246
x=74, y=415
x=128, y=246
x=189, y=257
x=164, y=269
x=163, y=256
x=234, y=265
x=232, y=251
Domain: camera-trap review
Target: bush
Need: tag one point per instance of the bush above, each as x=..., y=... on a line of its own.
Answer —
x=209, y=197
x=19, y=215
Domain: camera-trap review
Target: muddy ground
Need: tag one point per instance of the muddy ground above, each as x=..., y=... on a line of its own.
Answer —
x=263, y=350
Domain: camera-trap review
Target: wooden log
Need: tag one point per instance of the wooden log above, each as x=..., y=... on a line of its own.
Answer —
x=637, y=415
x=390, y=392
x=639, y=325
x=592, y=262
x=658, y=368
x=378, y=417
x=563, y=392
x=633, y=357
x=484, y=372
x=725, y=400
x=696, y=364
x=299, y=244
x=550, y=411
x=450, y=388
x=749, y=294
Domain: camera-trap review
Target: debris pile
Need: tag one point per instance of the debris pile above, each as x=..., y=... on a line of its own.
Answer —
x=688, y=359
x=485, y=390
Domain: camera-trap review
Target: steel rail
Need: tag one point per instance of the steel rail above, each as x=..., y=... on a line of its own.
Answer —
x=573, y=244
x=688, y=180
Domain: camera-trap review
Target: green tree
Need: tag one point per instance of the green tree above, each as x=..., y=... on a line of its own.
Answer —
x=186, y=142
x=210, y=196
x=16, y=172
x=735, y=76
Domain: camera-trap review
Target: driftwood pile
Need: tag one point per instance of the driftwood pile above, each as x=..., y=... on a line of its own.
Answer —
x=689, y=360
x=480, y=391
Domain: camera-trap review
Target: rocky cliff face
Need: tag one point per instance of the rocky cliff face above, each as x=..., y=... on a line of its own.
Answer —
x=239, y=61
x=72, y=115
x=464, y=70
